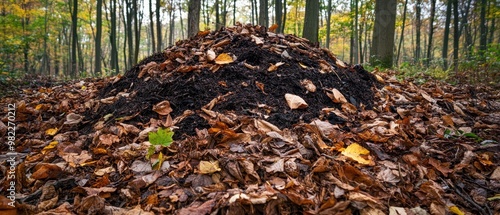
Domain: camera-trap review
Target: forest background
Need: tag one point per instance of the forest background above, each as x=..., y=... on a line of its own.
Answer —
x=96, y=38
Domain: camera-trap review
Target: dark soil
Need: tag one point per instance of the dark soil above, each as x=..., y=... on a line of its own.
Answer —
x=192, y=90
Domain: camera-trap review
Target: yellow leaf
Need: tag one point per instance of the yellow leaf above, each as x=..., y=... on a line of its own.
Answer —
x=454, y=209
x=39, y=106
x=51, y=145
x=224, y=59
x=209, y=167
x=51, y=131
x=359, y=154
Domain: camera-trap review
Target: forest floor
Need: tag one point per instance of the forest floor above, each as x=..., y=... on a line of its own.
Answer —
x=262, y=123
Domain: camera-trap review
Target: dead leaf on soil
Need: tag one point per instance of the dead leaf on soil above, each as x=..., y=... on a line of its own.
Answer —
x=209, y=167
x=359, y=154
x=224, y=58
x=295, y=102
x=163, y=108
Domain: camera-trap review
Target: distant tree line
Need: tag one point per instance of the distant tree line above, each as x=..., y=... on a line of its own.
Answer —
x=80, y=38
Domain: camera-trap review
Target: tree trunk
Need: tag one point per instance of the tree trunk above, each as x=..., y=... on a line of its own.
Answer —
x=284, y=17
x=263, y=13
x=172, y=23
x=360, y=42
x=114, y=48
x=193, y=17
x=97, y=59
x=252, y=9
x=418, y=26
x=159, y=44
x=483, y=31
x=180, y=19
x=328, y=23
x=217, y=15
x=234, y=12
x=256, y=11
x=278, y=6
x=456, y=36
x=129, y=32
x=151, y=26
x=354, y=34
x=383, y=33
x=467, y=29
x=431, y=32
x=45, y=68
x=74, y=40
x=402, y=32
x=137, y=30
x=446, y=34
x=224, y=13
x=311, y=21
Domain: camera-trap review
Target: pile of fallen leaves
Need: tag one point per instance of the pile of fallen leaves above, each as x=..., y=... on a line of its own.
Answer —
x=403, y=149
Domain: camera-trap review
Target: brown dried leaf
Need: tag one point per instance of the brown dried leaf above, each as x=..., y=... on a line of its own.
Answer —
x=309, y=85
x=295, y=102
x=163, y=108
x=46, y=171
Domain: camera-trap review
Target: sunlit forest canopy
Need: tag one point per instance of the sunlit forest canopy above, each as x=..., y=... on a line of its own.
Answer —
x=84, y=38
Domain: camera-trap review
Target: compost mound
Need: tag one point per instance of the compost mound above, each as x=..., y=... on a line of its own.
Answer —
x=262, y=67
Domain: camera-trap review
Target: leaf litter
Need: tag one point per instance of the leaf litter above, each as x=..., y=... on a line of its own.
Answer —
x=263, y=123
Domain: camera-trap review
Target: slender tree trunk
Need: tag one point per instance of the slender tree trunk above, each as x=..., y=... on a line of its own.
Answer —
x=129, y=32
x=45, y=68
x=446, y=34
x=383, y=33
x=311, y=21
x=256, y=11
x=207, y=15
x=278, y=6
x=328, y=23
x=467, y=29
x=360, y=32
x=74, y=40
x=234, y=12
x=355, y=35
x=138, y=15
x=482, y=28
x=456, y=36
x=418, y=28
x=217, y=15
x=284, y=17
x=81, y=61
x=252, y=9
x=193, y=17
x=172, y=24
x=402, y=32
x=224, y=13
x=114, y=47
x=97, y=59
x=151, y=26
x=431, y=32
x=182, y=22
x=125, y=35
x=263, y=13
x=492, y=31
x=159, y=44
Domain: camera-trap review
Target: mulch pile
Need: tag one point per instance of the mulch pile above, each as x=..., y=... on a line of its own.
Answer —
x=185, y=76
x=365, y=143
